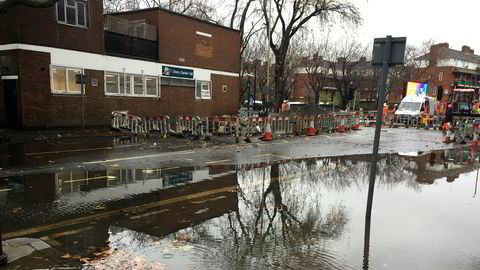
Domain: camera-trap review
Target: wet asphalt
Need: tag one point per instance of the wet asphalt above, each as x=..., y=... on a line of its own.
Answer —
x=296, y=203
x=105, y=152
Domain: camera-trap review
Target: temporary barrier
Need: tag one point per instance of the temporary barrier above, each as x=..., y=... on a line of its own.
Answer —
x=189, y=124
x=157, y=123
x=126, y=121
x=356, y=125
x=256, y=125
x=311, y=130
x=216, y=125
x=281, y=124
x=341, y=127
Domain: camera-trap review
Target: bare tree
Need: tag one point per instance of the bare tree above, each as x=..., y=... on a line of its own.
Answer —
x=289, y=17
x=5, y=5
x=316, y=68
x=349, y=68
x=195, y=8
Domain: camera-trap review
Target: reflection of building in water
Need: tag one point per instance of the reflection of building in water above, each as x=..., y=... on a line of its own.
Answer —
x=75, y=181
x=450, y=163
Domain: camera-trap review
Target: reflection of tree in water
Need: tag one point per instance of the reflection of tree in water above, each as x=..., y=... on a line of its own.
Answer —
x=278, y=223
x=281, y=219
x=340, y=173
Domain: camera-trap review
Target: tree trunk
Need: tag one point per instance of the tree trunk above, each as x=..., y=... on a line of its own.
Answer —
x=317, y=97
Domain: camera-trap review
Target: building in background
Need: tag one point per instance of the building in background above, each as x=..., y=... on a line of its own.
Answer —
x=444, y=69
x=315, y=82
x=149, y=62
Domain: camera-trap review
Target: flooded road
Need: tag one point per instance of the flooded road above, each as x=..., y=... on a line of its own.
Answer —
x=296, y=214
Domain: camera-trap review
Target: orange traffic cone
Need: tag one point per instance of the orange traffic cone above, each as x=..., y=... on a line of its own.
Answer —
x=268, y=136
x=475, y=140
x=311, y=131
x=449, y=135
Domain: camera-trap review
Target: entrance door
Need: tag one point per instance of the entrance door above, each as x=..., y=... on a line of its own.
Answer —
x=11, y=107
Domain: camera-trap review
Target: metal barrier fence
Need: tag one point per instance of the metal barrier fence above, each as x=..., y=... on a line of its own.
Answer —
x=248, y=126
x=124, y=120
x=221, y=125
x=159, y=124
x=188, y=124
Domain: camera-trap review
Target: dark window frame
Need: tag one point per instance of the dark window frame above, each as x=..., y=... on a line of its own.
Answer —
x=66, y=6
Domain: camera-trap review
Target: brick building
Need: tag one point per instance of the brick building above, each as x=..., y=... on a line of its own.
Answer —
x=445, y=68
x=361, y=76
x=150, y=62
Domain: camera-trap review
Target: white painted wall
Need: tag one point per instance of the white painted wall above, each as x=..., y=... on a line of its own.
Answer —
x=71, y=58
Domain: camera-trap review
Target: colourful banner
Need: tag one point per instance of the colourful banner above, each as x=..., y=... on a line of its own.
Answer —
x=417, y=89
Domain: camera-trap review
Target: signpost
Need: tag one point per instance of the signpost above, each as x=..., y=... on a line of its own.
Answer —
x=387, y=52
x=82, y=80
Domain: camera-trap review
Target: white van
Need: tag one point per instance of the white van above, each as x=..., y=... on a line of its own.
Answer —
x=411, y=107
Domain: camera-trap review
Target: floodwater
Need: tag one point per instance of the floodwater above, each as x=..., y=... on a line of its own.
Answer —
x=297, y=214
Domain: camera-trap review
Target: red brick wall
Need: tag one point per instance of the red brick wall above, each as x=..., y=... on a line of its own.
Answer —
x=300, y=89
x=39, y=26
x=178, y=39
x=8, y=27
x=40, y=107
x=225, y=102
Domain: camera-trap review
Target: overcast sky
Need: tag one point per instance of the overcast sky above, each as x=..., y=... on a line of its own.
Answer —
x=455, y=22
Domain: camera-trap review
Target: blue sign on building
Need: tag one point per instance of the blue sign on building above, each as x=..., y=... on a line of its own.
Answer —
x=177, y=72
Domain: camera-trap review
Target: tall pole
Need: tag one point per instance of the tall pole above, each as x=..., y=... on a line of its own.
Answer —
x=376, y=144
x=83, y=107
x=378, y=127
x=3, y=257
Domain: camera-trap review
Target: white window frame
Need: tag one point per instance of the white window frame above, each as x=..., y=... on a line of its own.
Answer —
x=65, y=92
x=132, y=85
x=130, y=77
x=156, y=85
x=119, y=77
x=203, y=83
x=85, y=12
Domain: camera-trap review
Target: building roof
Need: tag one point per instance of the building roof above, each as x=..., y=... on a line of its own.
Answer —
x=447, y=53
x=466, y=71
x=172, y=12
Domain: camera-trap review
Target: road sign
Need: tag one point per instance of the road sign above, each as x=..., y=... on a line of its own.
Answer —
x=397, y=51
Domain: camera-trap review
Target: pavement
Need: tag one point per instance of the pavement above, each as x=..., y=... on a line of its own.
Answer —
x=32, y=253
x=107, y=152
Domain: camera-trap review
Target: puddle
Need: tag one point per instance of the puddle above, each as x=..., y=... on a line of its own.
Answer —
x=300, y=214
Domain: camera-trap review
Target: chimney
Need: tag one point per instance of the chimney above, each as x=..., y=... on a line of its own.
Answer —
x=466, y=49
x=439, y=46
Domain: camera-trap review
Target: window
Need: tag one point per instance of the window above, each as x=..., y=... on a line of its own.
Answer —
x=131, y=85
x=112, y=83
x=203, y=90
x=138, y=87
x=440, y=76
x=63, y=80
x=72, y=12
x=151, y=85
